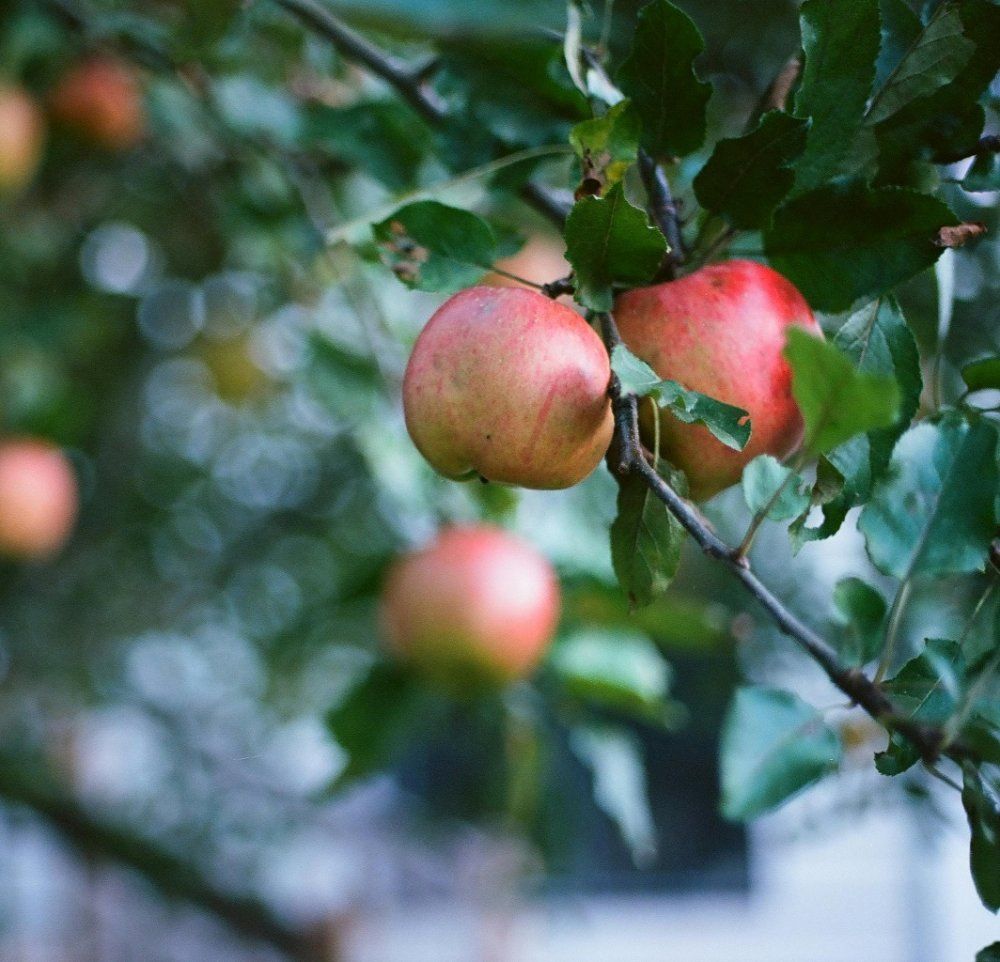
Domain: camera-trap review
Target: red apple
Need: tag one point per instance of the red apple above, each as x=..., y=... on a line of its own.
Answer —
x=506, y=384
x=100, y=99
x=477, y=603
x=22, y=132
x=720, y=331
x=38, y=499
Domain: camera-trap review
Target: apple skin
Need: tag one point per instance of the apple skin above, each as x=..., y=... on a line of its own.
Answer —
x=22, y=134
x=100, y=100
x=38, y=499
x=721, y=331
x=507, y=384
x=477, y=604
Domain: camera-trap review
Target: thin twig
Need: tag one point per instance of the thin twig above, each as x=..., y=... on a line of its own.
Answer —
x=662, y=210
x=851, y=681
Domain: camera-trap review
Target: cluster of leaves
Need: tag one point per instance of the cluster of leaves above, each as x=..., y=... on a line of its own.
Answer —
x=841, y=189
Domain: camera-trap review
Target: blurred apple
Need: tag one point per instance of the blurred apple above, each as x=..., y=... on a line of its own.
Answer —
x=38, y=499
x=477, y=603
x=100, y=100
x=541, y=261
x=22, y=133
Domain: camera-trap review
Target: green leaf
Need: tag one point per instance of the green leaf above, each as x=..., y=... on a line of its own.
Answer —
x=606, y=146
x=984, y=174
x=990, y=954
x=982, y=806
x=617, y=670
x=982, y=375
x=862, y=613
x=659, y=77
x=377, y=719
x=927, y=689
x=730, y=424
x=615, y=758
x=609, y=241
x=646, y=541
x=846, y=240
x=773, y=745
x=939, y=53
x=769, y=485
x=841, y=43
x=747, y=177
x=383, y=137
x=949, y=119
x=934, y=513
x=432, y=247
x=900, y=29
x=837, y=401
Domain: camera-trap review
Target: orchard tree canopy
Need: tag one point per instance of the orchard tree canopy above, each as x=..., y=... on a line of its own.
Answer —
x=726, y=283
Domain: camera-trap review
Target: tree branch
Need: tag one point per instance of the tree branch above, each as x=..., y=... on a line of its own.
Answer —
x=929, y=740
x=662, y=210
x=990, y=144
x=409, y=84
x=170, y=875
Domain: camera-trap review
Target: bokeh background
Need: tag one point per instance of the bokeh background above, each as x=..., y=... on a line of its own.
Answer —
x=201, y=321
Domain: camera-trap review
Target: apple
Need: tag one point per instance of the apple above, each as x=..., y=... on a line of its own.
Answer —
x=38, y=499
x=476, y=604
x=720, y=330
x=506, y=384
x=100, y=99
x=22, y=132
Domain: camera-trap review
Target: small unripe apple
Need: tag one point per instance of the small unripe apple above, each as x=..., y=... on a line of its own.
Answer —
x=477, y=603
x=38, y=499
x=22, y=132
x=506, y=384
x=721, y=331
x=101, y=101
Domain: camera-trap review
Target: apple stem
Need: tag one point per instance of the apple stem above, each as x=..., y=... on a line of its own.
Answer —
x=930, y=740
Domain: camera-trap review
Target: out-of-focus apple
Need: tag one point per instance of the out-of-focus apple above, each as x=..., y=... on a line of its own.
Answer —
x=22, y=134
x=101, y=100
x=38, y=499
x=478, y=603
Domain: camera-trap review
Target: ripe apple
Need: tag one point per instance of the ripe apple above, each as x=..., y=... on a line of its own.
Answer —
x=477, y=603
x=509, y=385
x=22, y=132
x=38, y=498
x=721, y=331
x=100, y=99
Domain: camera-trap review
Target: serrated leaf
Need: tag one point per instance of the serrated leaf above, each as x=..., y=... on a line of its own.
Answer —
x=617, y=670
x=982, y=375
x=646, y=541
x=773, y=745
x=981, y=799
x=615, y=759
x=747, y=177
x=862, y=612
x=936, y=58
x=900, y=29
x=934, y=513
x=433, y=247
x=606, y=147
x=659, y=77
x=984, y=174
x=926, y=688
x=610, y=241
x=836, y=400
x=845, y=241
x=841, y=42
x=769, y=485
x=730, y=424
